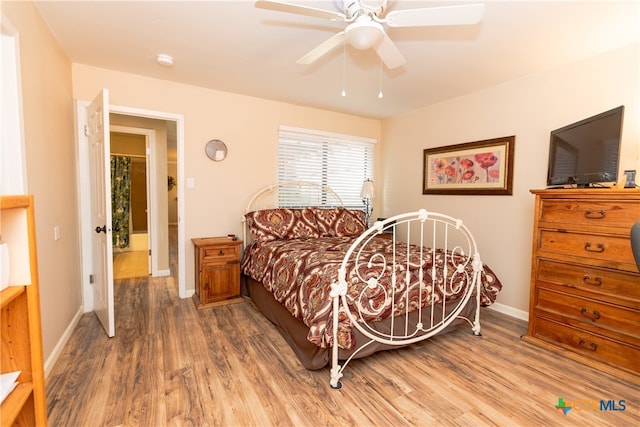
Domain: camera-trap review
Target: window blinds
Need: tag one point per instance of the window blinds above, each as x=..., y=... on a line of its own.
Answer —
x=341, y=162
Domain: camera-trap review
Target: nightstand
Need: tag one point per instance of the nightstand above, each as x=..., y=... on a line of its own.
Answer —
x=217, y=274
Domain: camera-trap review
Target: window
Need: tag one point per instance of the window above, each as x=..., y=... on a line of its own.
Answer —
x=341, y=162
x=12, y=162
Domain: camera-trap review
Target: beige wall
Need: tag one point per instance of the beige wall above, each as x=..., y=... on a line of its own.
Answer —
x=528, y=108
x=50, y=153
x=249, y=126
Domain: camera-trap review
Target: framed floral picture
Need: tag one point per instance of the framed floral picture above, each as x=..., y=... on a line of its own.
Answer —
x=480, y=168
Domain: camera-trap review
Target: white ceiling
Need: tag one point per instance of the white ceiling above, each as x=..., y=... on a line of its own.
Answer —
x=232, y=46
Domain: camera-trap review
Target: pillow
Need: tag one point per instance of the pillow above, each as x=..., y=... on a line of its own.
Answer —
x=304, y=225
x=281, y=223
x=340, y=222
x=268, y=224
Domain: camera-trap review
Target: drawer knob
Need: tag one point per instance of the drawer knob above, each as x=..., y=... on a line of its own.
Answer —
x=221, y=252
x=589, y=346
x=586, y=279
x=598, y=215
x=599, y=247
x=594, y=315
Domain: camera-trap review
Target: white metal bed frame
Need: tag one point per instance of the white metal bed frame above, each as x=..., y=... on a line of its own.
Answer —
x=425, y=229
x=417, y=225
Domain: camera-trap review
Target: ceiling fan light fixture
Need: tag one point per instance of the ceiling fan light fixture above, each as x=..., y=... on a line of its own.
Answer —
x=364, y=34
x=364, y=22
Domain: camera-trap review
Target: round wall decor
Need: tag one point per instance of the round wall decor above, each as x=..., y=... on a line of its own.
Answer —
x=216, y=150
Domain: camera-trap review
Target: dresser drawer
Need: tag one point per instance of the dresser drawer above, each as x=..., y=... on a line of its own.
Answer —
x=603, y=282
x=595, y=314
x=615, y=213
x=588, y=344
x=593, y=247
x=220, y=252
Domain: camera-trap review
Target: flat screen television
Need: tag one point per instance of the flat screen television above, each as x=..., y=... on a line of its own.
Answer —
x=586, y=153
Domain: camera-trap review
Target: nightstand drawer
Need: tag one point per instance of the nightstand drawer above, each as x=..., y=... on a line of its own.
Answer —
x=218, y=252
x=610, y=249
x=595, y=314
x=594, y=346
x=604, y=282
x=615, y=213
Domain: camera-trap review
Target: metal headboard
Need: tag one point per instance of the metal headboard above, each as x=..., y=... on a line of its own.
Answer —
x=303, y=192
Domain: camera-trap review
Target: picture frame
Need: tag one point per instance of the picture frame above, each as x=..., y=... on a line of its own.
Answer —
x=472, y=168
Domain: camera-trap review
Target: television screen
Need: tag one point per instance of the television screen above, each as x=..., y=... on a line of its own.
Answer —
x=586, y=152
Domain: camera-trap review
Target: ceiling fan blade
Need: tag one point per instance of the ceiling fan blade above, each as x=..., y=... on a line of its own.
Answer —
x=322, y=48
x=445, y=15
x=389, y=53
x=300, y=10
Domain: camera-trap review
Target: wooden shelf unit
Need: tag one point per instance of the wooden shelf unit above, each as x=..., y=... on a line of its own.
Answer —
x=21, y=332
x=585, y=285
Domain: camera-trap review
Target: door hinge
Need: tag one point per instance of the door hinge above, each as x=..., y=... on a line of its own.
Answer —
x=86, y=130
x=149, y=252
x=91, y=279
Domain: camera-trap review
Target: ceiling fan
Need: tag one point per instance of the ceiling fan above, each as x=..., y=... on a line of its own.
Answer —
x=365, y=29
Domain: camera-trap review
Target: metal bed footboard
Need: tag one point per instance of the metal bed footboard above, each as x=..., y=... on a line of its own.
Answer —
x=427, y=236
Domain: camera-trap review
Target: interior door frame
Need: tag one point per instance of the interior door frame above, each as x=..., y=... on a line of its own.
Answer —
x=84, y=206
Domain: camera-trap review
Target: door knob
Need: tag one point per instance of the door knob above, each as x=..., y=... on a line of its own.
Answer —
x=101, y=229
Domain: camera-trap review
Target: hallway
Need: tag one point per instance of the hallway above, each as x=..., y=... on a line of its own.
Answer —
x=131, y=264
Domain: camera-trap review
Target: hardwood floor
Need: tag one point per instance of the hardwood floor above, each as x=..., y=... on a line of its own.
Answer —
x=130, y=264
x=170, y=364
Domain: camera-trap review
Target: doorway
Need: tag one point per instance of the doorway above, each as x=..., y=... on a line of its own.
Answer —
x=130, y=202
x=155, y=143
x=172, y=151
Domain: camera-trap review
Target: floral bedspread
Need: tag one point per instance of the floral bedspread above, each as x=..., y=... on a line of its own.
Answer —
x=299, y=274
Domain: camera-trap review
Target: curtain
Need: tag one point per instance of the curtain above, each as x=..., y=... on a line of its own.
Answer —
x=120, y=199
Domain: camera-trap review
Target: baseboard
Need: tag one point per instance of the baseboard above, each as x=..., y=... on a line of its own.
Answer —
x=510, y=311
x=57, y=350
x=162, y=273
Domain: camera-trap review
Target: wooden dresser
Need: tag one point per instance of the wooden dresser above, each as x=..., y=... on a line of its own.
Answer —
x=585, y=285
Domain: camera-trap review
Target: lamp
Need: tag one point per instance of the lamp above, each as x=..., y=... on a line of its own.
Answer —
x=367, y=194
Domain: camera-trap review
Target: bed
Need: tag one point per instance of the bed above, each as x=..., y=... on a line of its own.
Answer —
x=339, y=291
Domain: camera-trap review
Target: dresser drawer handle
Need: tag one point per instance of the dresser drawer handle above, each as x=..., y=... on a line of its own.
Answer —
x=591, y=346
x=586, y=279
x=221, y=252
x=594, y=315
x=590, y=215
x=599, y=247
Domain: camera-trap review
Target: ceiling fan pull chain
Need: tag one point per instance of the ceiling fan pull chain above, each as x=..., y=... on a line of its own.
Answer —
x=344, y=67
x=380, y=95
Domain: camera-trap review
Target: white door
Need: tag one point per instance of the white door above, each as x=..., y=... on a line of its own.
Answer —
x=97, y=131
x=147, y=169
